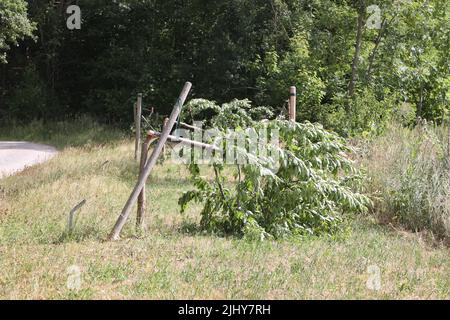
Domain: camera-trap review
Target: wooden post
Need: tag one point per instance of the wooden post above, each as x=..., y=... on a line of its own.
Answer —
x=190, y=127
x=115, y=233
x=134, y=120
x=166, y=120
x=293, y=104
x=137, y=122
x=187, y=142
x=141, y=200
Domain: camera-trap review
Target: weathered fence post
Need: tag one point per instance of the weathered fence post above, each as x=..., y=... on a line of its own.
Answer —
x=293, y=104
x=141, y=200
x=115, y=233
x=166, y=120
x=137, y=123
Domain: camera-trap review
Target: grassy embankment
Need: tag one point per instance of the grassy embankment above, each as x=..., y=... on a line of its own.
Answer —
x=169, y=260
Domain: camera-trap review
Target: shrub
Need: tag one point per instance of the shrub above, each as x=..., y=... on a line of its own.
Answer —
x=29, y=100
x=237, y=113
x=363, y=115
x=308, y=193
x=409, y=171
x=296, y=67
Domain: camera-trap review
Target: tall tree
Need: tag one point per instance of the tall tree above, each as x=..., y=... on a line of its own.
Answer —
x=14, y=25
x=361, y=9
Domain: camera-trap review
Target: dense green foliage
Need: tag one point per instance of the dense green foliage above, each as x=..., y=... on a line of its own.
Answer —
x=234, y=114
x=351, y=77
x=14, y=25
x=302, y=186
x=229, y=49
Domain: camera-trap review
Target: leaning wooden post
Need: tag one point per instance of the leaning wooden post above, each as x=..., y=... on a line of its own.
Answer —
x=115, y=233
x=293, y=104
x=137, y=123
x=141, y=200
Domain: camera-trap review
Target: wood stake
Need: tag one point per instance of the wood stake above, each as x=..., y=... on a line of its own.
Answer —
x=196, y=144
x=190, y=127
x=115, y=233
x=166, y=120
x=293, y=104
x=137, y=122
x=141, y=200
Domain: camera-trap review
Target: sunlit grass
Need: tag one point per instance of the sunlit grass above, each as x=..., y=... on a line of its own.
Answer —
x=169, y=260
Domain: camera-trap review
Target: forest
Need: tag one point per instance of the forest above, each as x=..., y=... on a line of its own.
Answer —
x=364, y=167
x=351, y=75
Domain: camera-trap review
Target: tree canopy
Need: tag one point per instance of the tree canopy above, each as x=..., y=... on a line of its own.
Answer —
x=354, y=62
x=14, y=25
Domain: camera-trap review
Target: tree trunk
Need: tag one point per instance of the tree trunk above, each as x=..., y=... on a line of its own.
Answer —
x=356, y=57
x=374, y=51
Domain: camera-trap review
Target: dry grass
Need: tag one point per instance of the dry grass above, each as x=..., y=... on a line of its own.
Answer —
x=170, y=261
x=409, y=175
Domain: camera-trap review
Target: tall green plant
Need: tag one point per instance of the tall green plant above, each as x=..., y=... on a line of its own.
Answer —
x=302, y=187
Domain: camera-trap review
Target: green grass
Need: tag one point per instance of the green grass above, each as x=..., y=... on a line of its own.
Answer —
x=170, y=261
x=81, y=132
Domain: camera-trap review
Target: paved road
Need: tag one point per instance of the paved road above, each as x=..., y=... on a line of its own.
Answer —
x=17, y=155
